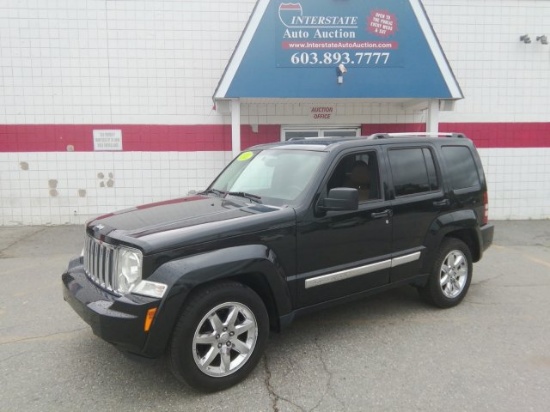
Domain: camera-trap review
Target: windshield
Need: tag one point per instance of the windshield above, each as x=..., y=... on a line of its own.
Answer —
x=277, y=177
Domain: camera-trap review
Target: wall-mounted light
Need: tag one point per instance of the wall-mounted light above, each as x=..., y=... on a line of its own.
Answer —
x=543, y=39
x=525, y=38
x=340, y=70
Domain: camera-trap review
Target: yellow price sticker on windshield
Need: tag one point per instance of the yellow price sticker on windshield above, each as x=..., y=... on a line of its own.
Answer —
x=245, y=156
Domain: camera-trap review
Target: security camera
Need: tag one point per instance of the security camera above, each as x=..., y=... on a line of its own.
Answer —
x=340, y=70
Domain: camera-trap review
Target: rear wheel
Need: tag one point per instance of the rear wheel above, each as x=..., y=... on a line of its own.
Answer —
x=450, y=276
x=220, y=336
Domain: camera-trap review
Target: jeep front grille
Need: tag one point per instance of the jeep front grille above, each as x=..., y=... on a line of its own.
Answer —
x=100, y=263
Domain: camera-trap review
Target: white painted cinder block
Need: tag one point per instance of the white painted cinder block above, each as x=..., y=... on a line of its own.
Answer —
x=84, y=185
x=517, y=182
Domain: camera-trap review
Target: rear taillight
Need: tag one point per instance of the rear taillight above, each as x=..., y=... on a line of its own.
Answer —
x=485, y=208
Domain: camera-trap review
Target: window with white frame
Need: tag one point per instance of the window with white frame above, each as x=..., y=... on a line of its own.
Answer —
x=288, y=133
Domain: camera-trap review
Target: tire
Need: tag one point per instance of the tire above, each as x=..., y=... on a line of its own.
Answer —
x=451, y=275
x=219, y=337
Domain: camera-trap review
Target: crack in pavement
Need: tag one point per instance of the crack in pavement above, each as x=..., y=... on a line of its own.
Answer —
x=272, y=395
x=3, y=256
x=328, y=388
x=30, y=338
x=473, y=302
x=481, y=282
x=13, y=356
x=275, y=398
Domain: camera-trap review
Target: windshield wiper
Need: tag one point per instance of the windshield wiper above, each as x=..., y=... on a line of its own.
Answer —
x=219, y=193
x=254, y=198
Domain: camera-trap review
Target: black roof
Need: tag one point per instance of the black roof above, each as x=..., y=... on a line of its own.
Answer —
x=325, y=144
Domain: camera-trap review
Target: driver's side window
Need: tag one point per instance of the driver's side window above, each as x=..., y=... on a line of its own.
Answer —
x=358, y=171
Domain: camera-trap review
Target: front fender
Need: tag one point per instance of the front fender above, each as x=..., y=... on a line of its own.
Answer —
x=185, y=274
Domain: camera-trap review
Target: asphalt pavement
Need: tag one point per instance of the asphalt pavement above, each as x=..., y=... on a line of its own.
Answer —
x=390, y=352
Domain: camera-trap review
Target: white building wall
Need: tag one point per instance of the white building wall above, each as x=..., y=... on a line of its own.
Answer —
x=115, y=61
x=103, y=62
x=519, y=182
x=503, y=79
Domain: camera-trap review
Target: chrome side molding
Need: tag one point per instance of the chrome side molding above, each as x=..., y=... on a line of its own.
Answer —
x=361, y=270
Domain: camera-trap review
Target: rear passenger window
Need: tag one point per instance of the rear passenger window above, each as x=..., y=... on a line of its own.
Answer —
x=461, y=166
x=413, y=171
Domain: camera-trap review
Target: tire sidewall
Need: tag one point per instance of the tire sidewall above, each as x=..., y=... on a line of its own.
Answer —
x=181, y=347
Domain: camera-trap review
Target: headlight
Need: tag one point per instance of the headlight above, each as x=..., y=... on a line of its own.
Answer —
x=130, y=262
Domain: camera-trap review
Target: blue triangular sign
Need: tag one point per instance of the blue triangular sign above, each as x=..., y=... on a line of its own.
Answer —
x=339, y=49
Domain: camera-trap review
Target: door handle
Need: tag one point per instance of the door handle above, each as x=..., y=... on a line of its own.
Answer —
x=385, y=213
x=444, y=202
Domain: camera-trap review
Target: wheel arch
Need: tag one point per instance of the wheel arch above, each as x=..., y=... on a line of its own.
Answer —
x=253, y=280
x=260, y=285
x=462, y=225
x=255, y=266
x=469, y=237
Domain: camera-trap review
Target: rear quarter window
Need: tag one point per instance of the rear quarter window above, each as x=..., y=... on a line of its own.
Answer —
x=413, y=171
x=461, y=167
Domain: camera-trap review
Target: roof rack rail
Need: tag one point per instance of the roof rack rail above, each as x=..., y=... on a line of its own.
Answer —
x=414, y=134
x=326, y=137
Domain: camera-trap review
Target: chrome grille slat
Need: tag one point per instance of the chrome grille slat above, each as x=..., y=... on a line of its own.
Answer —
x=101, y=265
x=105, y=267
x=94, y=259
x=99, y=262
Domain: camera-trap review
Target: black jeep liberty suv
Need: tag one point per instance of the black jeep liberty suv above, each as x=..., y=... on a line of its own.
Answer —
x=286, y=228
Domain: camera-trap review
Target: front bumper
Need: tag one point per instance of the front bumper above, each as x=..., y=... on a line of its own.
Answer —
x=118, y=320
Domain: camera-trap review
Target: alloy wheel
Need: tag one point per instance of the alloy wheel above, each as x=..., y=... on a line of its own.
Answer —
x=224, y=339
x=453, y=273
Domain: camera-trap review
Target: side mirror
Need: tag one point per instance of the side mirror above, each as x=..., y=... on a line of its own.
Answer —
x=341, y=199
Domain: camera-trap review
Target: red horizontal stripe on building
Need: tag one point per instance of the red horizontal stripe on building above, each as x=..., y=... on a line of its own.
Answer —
x=188, y=138
x=484, y=135
x=153, y=138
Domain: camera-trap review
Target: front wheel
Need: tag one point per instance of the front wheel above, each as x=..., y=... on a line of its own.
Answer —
x=450, y=276
x=220, y=336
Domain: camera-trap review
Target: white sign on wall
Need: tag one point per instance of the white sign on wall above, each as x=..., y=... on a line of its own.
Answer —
x=107, y=140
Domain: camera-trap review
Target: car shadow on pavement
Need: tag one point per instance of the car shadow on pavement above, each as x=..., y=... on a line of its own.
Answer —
x=351, y=319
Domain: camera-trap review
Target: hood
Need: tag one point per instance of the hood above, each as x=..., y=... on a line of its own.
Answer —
x=180, y=221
